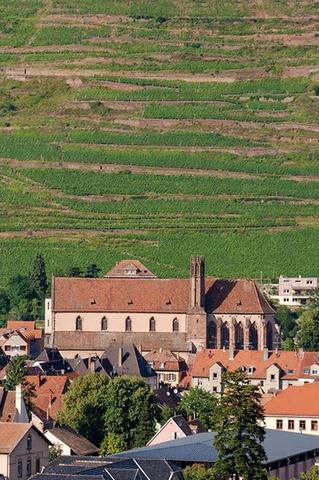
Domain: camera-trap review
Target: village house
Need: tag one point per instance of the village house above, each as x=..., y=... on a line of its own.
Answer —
x=272, y=370
x=170, y=367
x=130, y=304
x=176, y=427
x=21, y=338
x=48, y=400
x=295, y=409
x=70, y=442
x=23, y=451
x=12, y=406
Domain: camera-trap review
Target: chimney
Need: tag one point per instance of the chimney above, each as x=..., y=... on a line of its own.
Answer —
x=300, y=352
x=265, y=354
x=197, y=297
x=231, y=353
x=21, y=411
x=120, y=360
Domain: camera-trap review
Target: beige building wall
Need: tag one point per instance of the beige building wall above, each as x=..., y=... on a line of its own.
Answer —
x=16, y=345
x=91, y=321
x=39, y=450
x=271, y=422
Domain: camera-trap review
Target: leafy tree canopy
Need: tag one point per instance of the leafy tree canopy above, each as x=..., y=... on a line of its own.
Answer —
x=200, y=472
x=200, y=404
x=112, y=444
x=38, y=277
x=287, y=320
x=98, y=407
x=239, y=436
x=313, y=474
x=308, y=332
x=92, y=271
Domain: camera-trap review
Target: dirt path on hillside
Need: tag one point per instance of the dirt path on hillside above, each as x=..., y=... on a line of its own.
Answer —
x=140, y=170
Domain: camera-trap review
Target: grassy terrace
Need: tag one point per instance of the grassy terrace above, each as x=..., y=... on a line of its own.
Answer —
x=158, y=130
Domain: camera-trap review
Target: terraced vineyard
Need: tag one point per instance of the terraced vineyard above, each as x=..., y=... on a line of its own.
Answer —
x=158, y=129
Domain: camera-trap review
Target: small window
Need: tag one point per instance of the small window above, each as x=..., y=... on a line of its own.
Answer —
x=214, y=375
x=279, y=425
x=272, y=377
x=291, y=424
x=172, y=377
x=128, y=324
x=23, y=348
x=162, y=365
x=29, y=442
x=215, y=389
x=175, y=325
x=29, y=467
x=152, y=326
x=78, y=323
x=7, y=348
x=20, y=468
x=302, y=425
x=314, y=425
x=314, y=372
x=104, y=323
x=199, y=382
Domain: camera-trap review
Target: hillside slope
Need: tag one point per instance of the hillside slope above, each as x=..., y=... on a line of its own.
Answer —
x=157, y=130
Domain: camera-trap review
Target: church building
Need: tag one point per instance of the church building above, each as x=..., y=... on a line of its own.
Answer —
x=130, y=304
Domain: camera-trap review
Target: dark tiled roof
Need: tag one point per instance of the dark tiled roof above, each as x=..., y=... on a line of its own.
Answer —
x=148, y=341
x=133, y=362
x=48, y=354
x=108, y=468
x=167, y=397
x=77, y=443
x=199, y=448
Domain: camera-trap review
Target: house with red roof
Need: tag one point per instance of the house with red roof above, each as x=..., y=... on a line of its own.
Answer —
x=271, y=370
x=84, y=315
x=295, y=409
x=21, y=338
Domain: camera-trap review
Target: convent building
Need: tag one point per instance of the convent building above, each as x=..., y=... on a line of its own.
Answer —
x=131, y=304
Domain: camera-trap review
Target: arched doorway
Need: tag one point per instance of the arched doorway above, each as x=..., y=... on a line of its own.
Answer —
x=253, y=337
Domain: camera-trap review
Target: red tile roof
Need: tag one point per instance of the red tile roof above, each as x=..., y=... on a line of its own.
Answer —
x=292, y=364
x=154, y=295
x=131, y=269
x=165, y=360
x=49, y=391
x=15, y=324
x=301, y=401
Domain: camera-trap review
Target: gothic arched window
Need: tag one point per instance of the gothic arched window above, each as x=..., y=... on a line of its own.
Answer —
x=78, y=323
x=152, y=325
x=175, y=325
x=104, y=323
x=128, y=324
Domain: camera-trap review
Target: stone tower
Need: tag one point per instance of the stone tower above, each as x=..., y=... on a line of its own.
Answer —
x=196, y=318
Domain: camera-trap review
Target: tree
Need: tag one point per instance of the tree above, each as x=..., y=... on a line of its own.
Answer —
x=308, y=332
x=20, y=288
x=112, y=444
x=198, y=471
x=123, y=406
x=287, y=320
x=134, y=410
x=38, y=277
x=239, y=437
x=54, y=452
x=312, y=474
x=92, y=271
x=74, y=272
x=200, y=404
x=4, y=302
x=84, y=406
x=166, y=414
x=15, y=372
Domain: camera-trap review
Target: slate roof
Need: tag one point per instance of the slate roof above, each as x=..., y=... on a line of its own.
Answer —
x=109, y=468
x=78, y=444
x=133, y=362
x=199, y=448
x=300, y=401
x=49, y=354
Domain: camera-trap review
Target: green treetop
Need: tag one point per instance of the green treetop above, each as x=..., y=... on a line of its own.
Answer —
x=308, y=332
x=38, y=277
x=239, y=435
x=200, y=404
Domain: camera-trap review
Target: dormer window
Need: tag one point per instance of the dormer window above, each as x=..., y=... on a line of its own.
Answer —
x=251, y=370
x=168, y=302
x=92, y=301
x=130, y=302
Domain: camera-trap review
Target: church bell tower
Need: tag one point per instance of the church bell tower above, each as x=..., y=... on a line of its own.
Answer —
x=196, y=318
